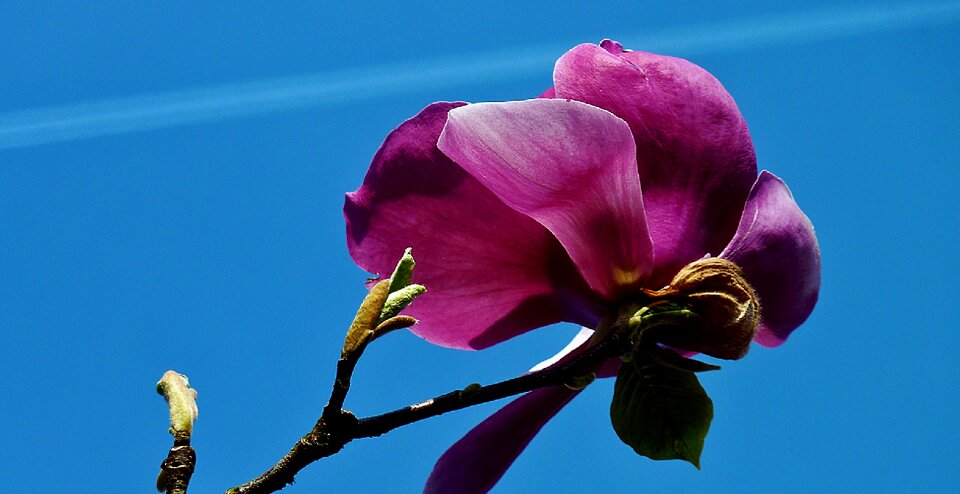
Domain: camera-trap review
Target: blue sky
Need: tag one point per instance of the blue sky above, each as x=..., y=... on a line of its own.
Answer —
x=171, y=183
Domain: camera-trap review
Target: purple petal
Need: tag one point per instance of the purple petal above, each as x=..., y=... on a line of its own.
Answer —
x=474, y=464
x=776, y=247
x=571, y=167
x=491, y=273
x=696, y=159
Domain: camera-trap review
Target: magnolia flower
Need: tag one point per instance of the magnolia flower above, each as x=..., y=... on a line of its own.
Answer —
x=566, y=207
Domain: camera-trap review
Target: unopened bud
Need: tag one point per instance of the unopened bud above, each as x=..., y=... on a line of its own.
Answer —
x=576, y=383
x=182, y=401
x=367, y=318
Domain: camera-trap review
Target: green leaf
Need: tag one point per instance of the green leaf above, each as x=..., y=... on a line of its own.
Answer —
x=400, y=299
x=661, y=412
x=403, y=273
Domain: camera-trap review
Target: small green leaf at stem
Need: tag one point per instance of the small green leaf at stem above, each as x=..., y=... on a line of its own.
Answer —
x=400, y=299
x=660, y=411
x=403, y=274
x=470, y=389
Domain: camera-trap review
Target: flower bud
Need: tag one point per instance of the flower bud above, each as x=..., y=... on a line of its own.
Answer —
x=182, y=401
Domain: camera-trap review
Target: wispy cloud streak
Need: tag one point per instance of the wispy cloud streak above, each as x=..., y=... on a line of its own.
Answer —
x=159, y=110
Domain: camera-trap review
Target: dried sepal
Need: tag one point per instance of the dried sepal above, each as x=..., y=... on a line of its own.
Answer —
x=728, y=309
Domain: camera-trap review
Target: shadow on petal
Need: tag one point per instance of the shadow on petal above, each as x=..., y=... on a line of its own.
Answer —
x=491, y=273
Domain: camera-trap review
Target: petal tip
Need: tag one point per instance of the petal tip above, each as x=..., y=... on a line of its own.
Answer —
x=614, y=47
x=777, y=248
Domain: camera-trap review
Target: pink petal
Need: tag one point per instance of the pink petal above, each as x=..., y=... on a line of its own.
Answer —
x=571, y=167
x=491, y=273
x=696, y=159
x=474, y=464
x=777, y=249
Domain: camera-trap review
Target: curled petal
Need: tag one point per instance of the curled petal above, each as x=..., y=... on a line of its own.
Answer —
x=696, y=159
x=571, y=167
x=606, y=369
x=777, y=249
x=491, y=272
x=578, y=340
x=474, y=464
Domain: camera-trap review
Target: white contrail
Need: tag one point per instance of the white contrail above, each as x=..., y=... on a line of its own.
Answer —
x=151, y=111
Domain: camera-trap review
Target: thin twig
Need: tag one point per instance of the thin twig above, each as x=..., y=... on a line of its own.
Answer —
x=177, y=468
x=338, y=427
x=457, y=400
x=341, y=385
